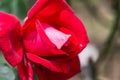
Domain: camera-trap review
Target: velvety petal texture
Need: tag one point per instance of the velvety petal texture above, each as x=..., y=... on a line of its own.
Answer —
x=37, y=42
x=45, y=74
x=10, y=38
x=50, y=38
x=45, y=8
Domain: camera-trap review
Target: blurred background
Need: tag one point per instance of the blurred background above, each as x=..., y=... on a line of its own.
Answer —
x=100, y=60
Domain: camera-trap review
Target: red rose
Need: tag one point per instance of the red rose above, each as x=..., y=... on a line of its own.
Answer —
x=51, y=38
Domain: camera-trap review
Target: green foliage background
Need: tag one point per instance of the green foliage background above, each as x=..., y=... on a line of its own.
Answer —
x=16, y=7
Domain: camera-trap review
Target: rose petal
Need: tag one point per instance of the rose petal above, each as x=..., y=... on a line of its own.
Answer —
x=44, y=62
x=72, y=23
x=57, y=37
x=36, y=7
x=30, y=70
x=22, y=70
x=10, y=38
x=44, y=8
x=45, y=74
x=25, y=70
x=37, y=42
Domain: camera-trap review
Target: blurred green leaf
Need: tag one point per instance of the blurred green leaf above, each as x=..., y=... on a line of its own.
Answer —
x=29, y=3
x=16, y=7
x=6, y=73
x=5, y=5
x=19, y=8
x=2, y=59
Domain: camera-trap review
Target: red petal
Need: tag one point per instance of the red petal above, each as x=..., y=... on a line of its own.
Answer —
x=25, y=70
x=30, y=70
x=10, y=38
x=43, y=8
x=57, y=37
x=37, y=42
x=45, y=74
x=44, y=62
x=37, y=7
x=22, y=70
x=72, y=23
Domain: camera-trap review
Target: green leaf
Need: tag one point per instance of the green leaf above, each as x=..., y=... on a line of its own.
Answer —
x=19, y=8
x=5, y=5
x=2, y=59
x=16, y=7
x=6, y=73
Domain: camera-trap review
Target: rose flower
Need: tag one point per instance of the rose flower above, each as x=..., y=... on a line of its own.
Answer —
x=47, y=43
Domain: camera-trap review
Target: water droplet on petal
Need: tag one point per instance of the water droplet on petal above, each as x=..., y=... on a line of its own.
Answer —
x=81, y=45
